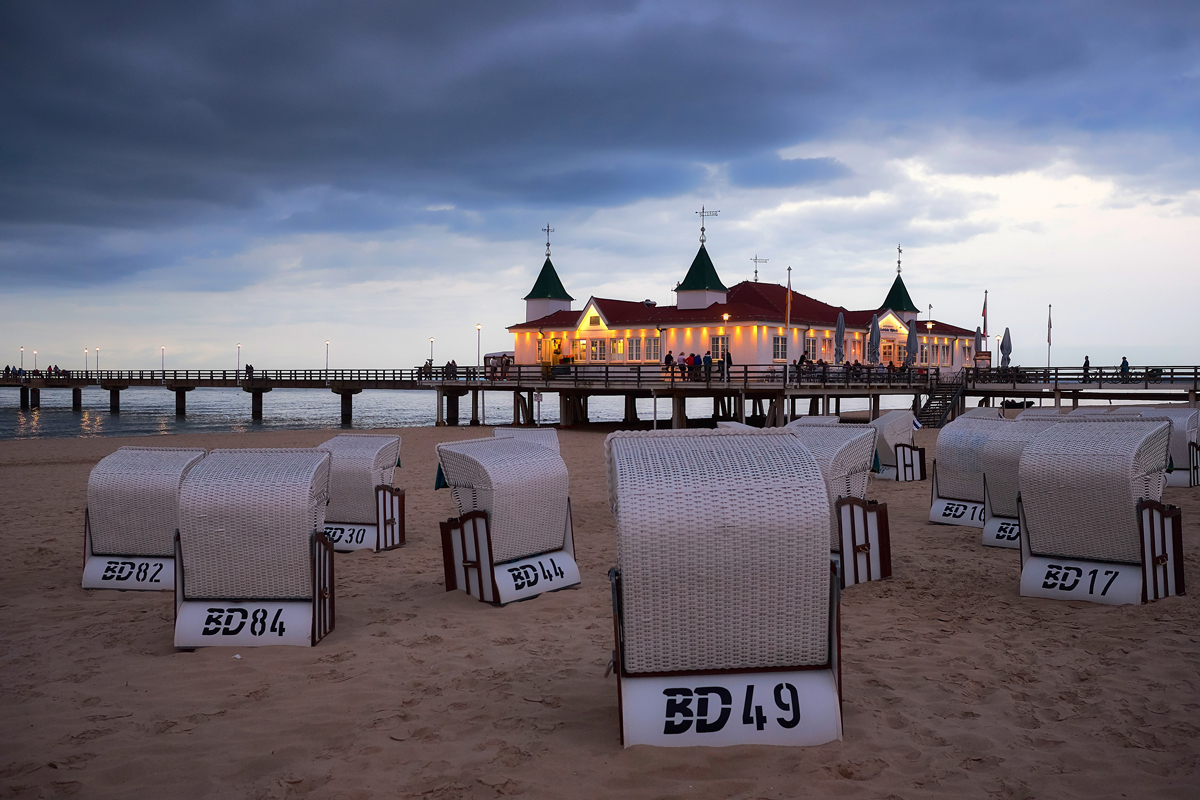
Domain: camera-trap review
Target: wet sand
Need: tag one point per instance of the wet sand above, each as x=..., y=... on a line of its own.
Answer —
x=954, y=685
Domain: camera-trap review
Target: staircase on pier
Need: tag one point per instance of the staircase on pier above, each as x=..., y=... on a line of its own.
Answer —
x=943, y=400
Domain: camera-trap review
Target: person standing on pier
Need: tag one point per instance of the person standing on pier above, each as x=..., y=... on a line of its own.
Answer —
x=707, y=365
x=1124, y=369
x=1087, y=367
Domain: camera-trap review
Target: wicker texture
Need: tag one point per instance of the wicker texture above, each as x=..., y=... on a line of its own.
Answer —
x=799, y=422
x=845, y=455
x=1081, y=481
x=1184, y=424
x=1044, y=411
x=1091, y=411
x=895, y=427
x=982, y=412
x=723, y=547
x=521, y=485
x=246, y=523
x=133, y=500
x=359, y=463
x=546, y=437
x=960, y=456
x=1001, y=459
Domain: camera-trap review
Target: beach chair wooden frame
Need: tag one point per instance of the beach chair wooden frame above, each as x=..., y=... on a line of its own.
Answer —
x=386, y=534
x=247, y=622
x=469, y=565
x=866, y=551
x=135, y=493
x=1194, y=464
x=910, y=463
x=1158, y=575
x=720, y=708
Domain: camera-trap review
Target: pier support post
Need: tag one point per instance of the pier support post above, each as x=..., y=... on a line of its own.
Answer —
x=256, y=400
x=566, y=417
x=1057, y=399
x=814, y=406
x=347, y=394
x=837, y=405
x=475, y=407
x=114, y=398
x=874, y=414
x=452, y=409
x=181, y=399
x=35, y=398
x=77, y=399
x=1191, y=398
x=24, y=398
x=1074, y=400
x=441, y=417
x=678, y=412
x=631, y=417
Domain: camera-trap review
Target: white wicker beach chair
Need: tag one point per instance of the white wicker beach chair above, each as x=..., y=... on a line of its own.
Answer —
x=512, y=539
x=253, y=566
x=131, y=517
x=958, y=490
x=1043, y=411
x=895, y=428
x=736, y=426
x=725, y=604
x=983, y=412
x=1091, y=411
x=546, y=437
x=365, y=511
x=1092, y=524
x=1000, y=459
x=1184, y=424
x=828, y=420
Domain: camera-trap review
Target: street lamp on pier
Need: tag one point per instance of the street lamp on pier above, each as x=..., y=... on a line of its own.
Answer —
x=163, y=362
x=431, y=351
x=237, y=375
x=478, y=346
x=23, y=356
x=85, y=360
x=327, y=362
x=35, y=360
x=97, y=362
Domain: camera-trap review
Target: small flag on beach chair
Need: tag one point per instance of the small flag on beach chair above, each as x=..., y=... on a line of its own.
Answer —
x=916, y=424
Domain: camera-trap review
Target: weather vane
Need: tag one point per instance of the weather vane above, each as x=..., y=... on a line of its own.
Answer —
x=758, y=261
x=548, y=231
x=898, y=252
x=704, y=214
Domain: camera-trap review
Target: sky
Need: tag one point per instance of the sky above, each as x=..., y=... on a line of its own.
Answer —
x=181, y=178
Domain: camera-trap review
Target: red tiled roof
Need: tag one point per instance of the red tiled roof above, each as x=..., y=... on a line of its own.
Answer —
x=748, y=303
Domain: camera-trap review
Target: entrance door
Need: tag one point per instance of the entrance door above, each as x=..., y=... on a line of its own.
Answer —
x=887, y=352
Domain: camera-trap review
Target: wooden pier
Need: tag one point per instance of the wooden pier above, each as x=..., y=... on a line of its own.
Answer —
x=768, y=395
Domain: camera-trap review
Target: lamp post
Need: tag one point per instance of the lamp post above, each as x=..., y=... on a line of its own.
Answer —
x=97, y=362
x=928, y=344
x=238, y=373
x=478, y=346
x=85, y=361
x=35, y=360
x=431, y=351
x=326, y=358
x=163, y=360
x=22, y=358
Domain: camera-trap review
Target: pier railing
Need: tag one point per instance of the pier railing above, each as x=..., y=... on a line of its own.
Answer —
x=1141, y=377
x=616, y=376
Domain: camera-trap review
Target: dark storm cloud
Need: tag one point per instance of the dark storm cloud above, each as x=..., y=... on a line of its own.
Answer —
x=244, y=119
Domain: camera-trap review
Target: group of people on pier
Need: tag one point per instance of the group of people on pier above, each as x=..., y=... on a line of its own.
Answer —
x=19, y=372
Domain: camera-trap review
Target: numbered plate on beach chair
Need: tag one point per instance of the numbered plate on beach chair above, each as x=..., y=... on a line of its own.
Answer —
x=951, y=511
x=202, y=623
x=795, y=708
x=349, y=536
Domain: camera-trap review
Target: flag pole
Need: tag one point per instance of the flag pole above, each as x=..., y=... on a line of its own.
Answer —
x=1049, y=328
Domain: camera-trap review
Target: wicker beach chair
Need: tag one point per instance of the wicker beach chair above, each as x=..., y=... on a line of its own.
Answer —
x=131, y=516
x=1043, y=411
x=546, y=437
x=895, y=428
x=736, y=426
x=830, y=419
x=1092, y=524
x=1000, y=459
x=982, y=412
x=253, y=565
x=512, y=539
x=958, y=487
x=365, y=511
x=727, y=603
x=1183, y=452
x=845, y=455
x=1091, y=411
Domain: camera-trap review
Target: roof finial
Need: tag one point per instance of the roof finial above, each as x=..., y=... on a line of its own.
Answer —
x=898, y=252
x=548, y=231
x=704, y=214
x=758, y=261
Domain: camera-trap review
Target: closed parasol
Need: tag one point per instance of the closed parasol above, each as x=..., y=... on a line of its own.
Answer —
x=1005, y=349
x=873, y=340
x=839, y=340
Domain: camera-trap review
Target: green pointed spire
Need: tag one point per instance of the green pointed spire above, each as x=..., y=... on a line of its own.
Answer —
x=898, y=299
x=702, y=276
x=548, y=286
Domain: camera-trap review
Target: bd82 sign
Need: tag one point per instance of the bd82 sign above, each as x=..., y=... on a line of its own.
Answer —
x=710, y=708
x=138, y=571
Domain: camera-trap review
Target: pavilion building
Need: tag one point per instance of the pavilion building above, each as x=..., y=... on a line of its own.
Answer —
x=750, y=321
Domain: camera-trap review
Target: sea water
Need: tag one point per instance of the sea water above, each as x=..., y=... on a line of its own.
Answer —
x=148, y=411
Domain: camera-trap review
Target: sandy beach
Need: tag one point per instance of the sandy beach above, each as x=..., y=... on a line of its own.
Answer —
x=954, y=685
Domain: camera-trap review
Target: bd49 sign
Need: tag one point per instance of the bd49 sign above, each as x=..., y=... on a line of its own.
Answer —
x=785, y=708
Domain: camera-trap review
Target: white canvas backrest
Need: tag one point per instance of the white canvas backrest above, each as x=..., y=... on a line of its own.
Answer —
x=960, y=456
x=546, y=437
x=845, y=455
x=246, y=522
x=723, y=547
x=895, y=427
x=133, y=500
x=521, y=485
x=800, y=422
x=1081, y=481
x=359, y=463
x=1000, y=459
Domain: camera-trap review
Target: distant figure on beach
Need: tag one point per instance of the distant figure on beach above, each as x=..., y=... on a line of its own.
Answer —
x=1087, y=368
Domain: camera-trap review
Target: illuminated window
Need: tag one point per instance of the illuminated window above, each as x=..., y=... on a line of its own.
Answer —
x=719, y=347
x=579, y=350
x=810, y=348
x=634, y=349
x=617, y=350
x=594, y=320
x=653, y=351
x=779, y=348
x=599, y=350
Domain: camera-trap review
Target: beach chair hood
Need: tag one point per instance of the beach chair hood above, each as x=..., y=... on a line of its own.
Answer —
x=133, y=499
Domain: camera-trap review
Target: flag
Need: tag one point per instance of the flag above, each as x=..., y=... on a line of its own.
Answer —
x=788, y=320
x=1049, y=323
x=916, y=424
